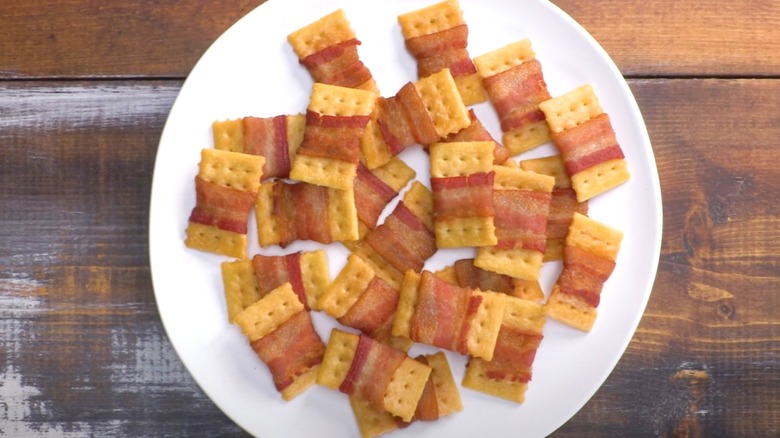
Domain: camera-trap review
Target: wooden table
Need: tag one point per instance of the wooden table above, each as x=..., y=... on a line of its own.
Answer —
x=86, y=86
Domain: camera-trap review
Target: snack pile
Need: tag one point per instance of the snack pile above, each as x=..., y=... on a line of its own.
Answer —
x=329, y=174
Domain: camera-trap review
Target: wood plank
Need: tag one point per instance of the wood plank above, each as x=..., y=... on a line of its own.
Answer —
x=136, y=38
x=673, y=38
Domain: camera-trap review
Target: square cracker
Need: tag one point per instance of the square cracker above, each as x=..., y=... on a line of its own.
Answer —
x=213, y=239
x=267, y=227
x=461, y=158
x=551, y=166
x=510, y=178
x=333, y=100
x=347, y=288
x=381, y=267
x=240, y=286
x=371, y=422
x=432, y=19
x=571, y=109
x=475, y=378
x=231, y=169
x=337, y=361
x=447, y=394
x=463, y=232
x=228, y=135
x=407, y=303
x=526, y=137
x=419, y=200
x=443, y=102
x=520, y=263
x=315, y=275
x=483, y=332
x=570, y=310
x=504, y=58
x=396, y=173
x=599, y=178
x=470, y=89
x=327, y=31
x=267, y=314
x=405, y=388
x=301, y=383
x=595, y=237
x=343, y=215
x=324, y=171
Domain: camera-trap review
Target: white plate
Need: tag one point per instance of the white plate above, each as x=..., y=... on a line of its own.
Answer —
x=251, y=70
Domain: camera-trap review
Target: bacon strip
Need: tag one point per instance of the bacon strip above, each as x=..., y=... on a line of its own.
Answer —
x=443, y=49
x=463, y=196
x=371, y=196
x=403, y=240
x=588, y=144
x=371, y=370
x=268, y=137
x=472, y=277
x=584, y=274
x=338, y=64
x=428, y=405
x=514, y=355
x=521, y=219
x=274, y=271
x=301, y=210
x=516, y=94
x=290, y=350
x=476, y=131
x=562, y=207
x=373, y=312
x=443, y=314
x=221, y=207
x=336, y=137
x=404, y=121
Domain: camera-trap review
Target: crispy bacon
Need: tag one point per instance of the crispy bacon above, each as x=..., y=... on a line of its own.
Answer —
x=521, y=218
x=562, y=207
x=336, y=137
x=371, y=370
x=404, y=121
x=428, y=405
x=222, y=207
x=476, y=131
x=371, y=196
x=588, y=144
x=403, y=240
x=268, y=137
x=443, y=49
x=516, y=94
x=290, y=350
x=443, y=314
x=301, y=211
x=463, y=196
x=274, y=271
x=338, y=64
x=472, y=277
x=514, y=355
x=373, y=312
x=584, y=274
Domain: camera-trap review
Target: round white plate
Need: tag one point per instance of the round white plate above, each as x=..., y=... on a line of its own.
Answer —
x=251, y=70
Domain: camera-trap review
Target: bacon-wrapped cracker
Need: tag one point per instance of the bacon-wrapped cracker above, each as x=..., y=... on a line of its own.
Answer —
x=420, y=113
x=282, y=335
x=521, y=200
x=288, y=212
x=465, y=274
x=589, y=255
x=328, y=49
x=437, y=36
x=563, y=205
x=384, y=377
x=515, y=85
x=405, y=240
x=330, y=151
x=275, y=138
x=360, y=299
x=583, y=134
x=462, y=183
x=508, y=373
x=476, y=131
x=439, y=398
x=435, y=312
x=246, y=281
x=225, y=187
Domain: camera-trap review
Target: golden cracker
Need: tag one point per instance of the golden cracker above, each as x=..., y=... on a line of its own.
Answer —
x=570, y=310
x=470, y=88
x=508, y=178
x=373, y=147
x=442, y=100
x=431, y=19
x=231, y=169
x=301, y=383
x=599, y=178
x=593, y=236
x=447, y=394
x=296, y=126
x=571, y=109
x=228, y=135
x=271, y=311
x=381, y=267
x=343, y=215
x=419, y=200
x=267, y=227
x=475, y=378
x=463, y=232
x=327, y=31
x=396, y=173
x=213, y=239
x=405, y=388
x=407, y=303
x=483, y=332
x=338, y=357
x=334, y=100
x=371, y=422
x=524, y=315
x=517, y=262
x=504, y=58
x=323, y=171
x=461, y=158
x=527, y=289
x=552, y=166
x=315, y=275
x=240, y=285
x=347, y=287
x=526, y=137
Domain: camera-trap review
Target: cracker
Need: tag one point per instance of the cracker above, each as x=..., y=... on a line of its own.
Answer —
x=267, y=228
x=443, y=102
x=461, y=158
x=447, y=394
x=381, y=267
x=315, y=275
x=447, y=274
x=267, y=314
x=407, y=302
x=333, y=100
x=343, y=215
x=301, y=383
x=528, y=290
x=475, y=378
x=373, y=146
x=483, y=332
x=322, y=33
x=600, y=178
x=470, y=89
x=323, y=171
x=594, y=237
x=419, y=200
x=338, y=358
x=514, y=178
x=240, y=286
x=231, y=169
x=405, y=388
x=347, y=287
x=571, y=109
x=431, y=19
x=228, y=135
x=296, y=125
x=462, y=232
x=213, y=239
x=570, y=310
x=526, y=137
x=371, y=422
x=504, y=58
x=524, y=315
x=519, y=263
x=396, y=174
x=552, y=166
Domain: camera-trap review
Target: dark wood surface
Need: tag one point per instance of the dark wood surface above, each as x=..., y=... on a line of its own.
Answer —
x=86, y=86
